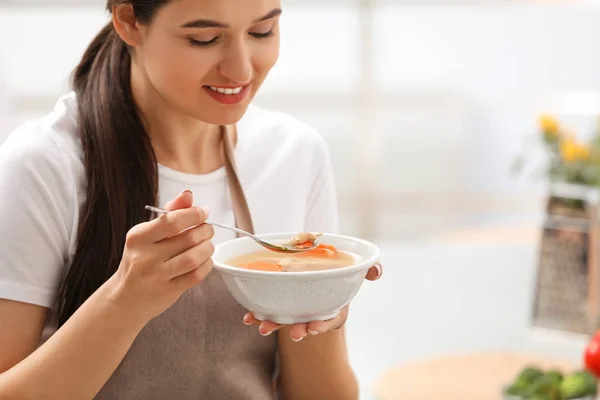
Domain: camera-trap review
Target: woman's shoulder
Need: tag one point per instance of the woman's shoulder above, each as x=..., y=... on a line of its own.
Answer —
x=39, y=172
x=49, y=138
x=44, y=151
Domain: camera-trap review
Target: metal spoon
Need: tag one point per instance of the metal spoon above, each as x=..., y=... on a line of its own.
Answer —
x=270, y=246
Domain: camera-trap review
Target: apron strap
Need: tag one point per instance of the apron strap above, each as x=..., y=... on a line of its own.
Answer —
x=241, y=211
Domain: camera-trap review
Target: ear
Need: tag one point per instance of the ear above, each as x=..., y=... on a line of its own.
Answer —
x=126, y=25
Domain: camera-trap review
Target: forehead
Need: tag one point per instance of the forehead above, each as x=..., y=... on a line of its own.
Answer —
x=230, y=12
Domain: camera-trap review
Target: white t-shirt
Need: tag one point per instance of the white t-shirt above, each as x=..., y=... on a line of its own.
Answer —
x=4, y=106
x=284, y=168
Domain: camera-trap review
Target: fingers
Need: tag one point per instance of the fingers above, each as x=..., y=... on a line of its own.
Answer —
x=169, y=225
x=166, y=226
x=320, y=327
x=184, y=241
x=185, y=199
x=265, y=328
x=182, y=215
x=375, y=272
x=299, y=331
x=195, y=276
x=190, y=259
x=250, y=320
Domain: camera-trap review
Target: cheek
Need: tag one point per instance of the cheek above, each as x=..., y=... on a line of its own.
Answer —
x=267, y=58
x=262, y=62
x=273, y=54
x=176, y=68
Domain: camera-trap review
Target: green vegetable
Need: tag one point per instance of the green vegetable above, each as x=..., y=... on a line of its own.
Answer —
x=546, y=386
x=591, y=382
x=578, y=384
x=517, y=388
x=533, y=384
x=524, y=381
x=556, y=376
x=530, y=374
x=542, y=397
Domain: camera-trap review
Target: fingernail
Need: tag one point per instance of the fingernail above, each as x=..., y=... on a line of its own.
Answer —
x=187, y=191
x=267, y=333
x=298, y=339
x=379, y=270
x=206, y=210
x=313, y=332
x=246, y=322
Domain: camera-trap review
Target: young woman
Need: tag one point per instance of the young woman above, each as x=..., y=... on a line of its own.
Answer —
x=100, y=300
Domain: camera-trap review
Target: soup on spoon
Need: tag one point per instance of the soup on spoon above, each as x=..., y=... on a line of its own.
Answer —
x=323, y=257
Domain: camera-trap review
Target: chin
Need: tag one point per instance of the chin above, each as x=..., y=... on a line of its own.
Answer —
x=226, y=115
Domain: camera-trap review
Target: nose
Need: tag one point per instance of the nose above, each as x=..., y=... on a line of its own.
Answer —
x=236, y=64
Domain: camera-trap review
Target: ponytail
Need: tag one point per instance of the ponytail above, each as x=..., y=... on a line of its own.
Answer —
x=120, y=168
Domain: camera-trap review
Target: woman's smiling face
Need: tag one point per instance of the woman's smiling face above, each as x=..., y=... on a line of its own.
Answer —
x=207, y=58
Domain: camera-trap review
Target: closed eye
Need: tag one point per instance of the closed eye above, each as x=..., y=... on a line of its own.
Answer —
x=213, y=41
x=201, y=43
x=261, y=35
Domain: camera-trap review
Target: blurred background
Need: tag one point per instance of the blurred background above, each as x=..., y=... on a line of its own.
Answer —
x=425, y=104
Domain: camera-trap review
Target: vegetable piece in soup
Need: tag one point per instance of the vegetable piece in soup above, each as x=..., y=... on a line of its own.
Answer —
x=304, y=239
x=321, y=258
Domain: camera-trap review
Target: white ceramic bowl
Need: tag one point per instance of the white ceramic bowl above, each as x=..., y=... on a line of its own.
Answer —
x=295, y=297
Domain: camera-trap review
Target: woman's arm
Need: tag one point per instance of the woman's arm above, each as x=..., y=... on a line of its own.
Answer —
x=313, y=357
x=22, y=326
x=316, y=367
x=77, y=360
x=81, y=356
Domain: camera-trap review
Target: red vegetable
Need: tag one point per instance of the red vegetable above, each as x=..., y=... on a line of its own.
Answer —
x=592, y=355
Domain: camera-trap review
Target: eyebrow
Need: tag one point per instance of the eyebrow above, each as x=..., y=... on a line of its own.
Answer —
x=208, y=23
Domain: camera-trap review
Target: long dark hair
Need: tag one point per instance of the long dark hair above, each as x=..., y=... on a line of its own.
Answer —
x=120, y=164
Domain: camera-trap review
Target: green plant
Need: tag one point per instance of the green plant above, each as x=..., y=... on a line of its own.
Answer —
x=568, y=159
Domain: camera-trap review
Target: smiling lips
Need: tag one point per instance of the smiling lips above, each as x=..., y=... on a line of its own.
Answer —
x=228, y=94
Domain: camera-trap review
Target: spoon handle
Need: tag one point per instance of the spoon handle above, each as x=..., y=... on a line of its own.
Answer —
x=163, y=211
x=231, y=228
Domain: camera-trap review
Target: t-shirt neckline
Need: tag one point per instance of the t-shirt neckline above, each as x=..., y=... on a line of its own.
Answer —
x=217, y=174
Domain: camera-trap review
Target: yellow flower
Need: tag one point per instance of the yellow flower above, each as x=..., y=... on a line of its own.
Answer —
x=549, y=125
x=583, y=152
x=572, y=151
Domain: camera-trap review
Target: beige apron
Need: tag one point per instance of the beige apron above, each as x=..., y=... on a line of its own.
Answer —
x=199, y=348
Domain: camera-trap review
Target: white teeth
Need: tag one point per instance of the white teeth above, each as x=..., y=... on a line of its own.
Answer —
x=226, y=90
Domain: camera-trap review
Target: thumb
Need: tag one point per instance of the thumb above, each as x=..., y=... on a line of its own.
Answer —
x=375, y=272
x=184, y=199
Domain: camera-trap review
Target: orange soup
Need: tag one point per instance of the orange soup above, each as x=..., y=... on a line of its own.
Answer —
x=321, y=258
